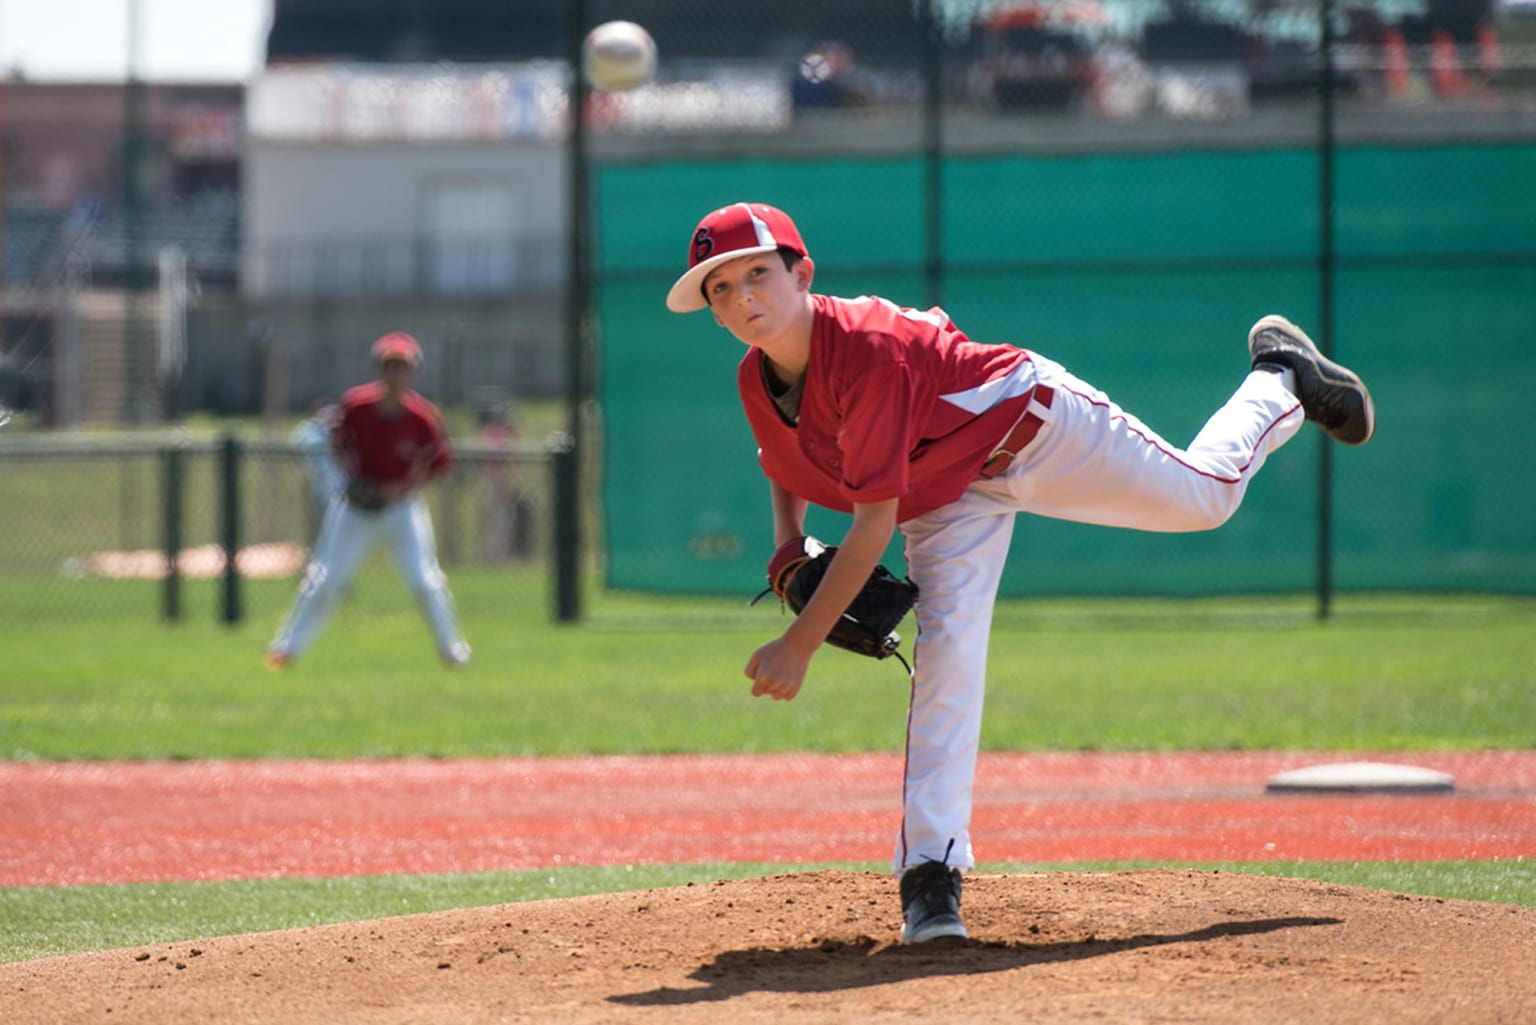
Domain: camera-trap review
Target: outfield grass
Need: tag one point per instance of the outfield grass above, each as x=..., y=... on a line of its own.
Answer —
x=664, y=675
x=649, y=674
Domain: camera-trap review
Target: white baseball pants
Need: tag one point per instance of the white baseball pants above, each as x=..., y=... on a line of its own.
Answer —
x=346, y=537
x=1093, y=463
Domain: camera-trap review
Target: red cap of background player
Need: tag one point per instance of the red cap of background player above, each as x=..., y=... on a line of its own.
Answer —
x=741, y=229
x=397, y=345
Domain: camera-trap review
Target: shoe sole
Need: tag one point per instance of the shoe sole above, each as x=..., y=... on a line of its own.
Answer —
x=1332, y=373
x=935, y=930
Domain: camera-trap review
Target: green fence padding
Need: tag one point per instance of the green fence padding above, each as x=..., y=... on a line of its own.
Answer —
x=1142, y=273
x=1148, y=207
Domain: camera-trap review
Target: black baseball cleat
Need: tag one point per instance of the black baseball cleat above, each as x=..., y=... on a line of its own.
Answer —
x=1332, y=396
x=930, y=903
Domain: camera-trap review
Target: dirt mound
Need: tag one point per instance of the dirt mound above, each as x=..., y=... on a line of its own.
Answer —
x=1124, y=947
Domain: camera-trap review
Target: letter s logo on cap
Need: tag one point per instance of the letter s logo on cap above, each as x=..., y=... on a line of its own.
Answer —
x=703, y=245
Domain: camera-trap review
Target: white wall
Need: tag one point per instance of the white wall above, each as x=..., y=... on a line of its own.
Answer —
x=366, y=209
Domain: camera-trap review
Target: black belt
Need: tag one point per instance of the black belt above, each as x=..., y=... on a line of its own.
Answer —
x=1022, y=434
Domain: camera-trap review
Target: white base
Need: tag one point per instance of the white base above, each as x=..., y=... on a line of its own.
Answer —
x=1361, y=777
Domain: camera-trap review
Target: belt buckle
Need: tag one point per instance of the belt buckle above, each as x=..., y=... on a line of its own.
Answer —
x=988, y=471
x=1025, y=429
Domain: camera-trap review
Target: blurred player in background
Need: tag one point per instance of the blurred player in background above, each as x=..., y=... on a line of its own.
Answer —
x=314, y=437
x=498, y=478
x=895, y=416
x=390, y=441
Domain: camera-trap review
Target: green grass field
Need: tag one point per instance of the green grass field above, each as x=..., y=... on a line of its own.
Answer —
x=650, y=674
x=664, y=675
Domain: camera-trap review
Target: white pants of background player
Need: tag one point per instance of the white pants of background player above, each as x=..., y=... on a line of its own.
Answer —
x=1090, y=462
x=346, y=537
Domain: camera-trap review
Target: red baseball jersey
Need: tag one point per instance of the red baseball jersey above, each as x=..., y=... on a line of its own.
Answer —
x=898, y=403
x=408, y=444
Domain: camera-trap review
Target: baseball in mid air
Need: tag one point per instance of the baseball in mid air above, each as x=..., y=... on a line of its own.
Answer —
x=618, y=55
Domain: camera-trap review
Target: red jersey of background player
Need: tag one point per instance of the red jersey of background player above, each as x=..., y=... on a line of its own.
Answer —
x=410, y=444
x=898, y=403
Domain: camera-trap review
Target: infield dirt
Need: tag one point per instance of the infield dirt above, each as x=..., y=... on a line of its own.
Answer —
x=1124, y=947
x=1131, y=947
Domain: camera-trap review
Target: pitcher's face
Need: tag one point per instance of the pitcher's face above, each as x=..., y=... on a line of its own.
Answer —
x=757, y=299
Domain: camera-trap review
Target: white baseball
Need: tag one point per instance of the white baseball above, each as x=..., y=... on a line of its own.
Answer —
x=618, y=55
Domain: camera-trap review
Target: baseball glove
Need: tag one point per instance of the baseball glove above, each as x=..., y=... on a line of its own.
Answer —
x=868, y=625
x=364, y=495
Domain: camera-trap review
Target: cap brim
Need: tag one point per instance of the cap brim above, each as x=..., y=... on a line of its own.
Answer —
x=687, y=294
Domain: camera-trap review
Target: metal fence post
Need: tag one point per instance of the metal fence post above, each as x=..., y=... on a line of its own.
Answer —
x=172, y=465
x=229, y=472
x=579, y=331
x=567, y=512
x=933, y=154
x=1327, y=144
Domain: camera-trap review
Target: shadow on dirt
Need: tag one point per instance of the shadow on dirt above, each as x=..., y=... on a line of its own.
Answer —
x=832, y=965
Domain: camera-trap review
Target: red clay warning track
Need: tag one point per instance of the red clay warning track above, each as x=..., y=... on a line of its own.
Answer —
x=72, y=823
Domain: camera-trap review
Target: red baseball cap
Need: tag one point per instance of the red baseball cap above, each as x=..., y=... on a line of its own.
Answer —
x=397, y=345
x=741, y=229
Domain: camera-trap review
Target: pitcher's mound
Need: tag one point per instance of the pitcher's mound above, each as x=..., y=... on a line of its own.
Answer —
x=1139, y=946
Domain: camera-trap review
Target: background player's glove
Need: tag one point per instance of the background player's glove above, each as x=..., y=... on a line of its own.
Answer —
x=868, y=625
x=364, y=495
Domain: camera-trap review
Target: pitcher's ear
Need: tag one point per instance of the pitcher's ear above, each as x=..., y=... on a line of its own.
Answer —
x=805, y=273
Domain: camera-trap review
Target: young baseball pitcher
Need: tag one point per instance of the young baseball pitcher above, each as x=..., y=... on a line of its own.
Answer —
x=895, y=416
x=390, y=441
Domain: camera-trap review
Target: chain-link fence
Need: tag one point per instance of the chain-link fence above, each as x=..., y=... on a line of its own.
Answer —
x=1124, y=186
x=145, y=524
